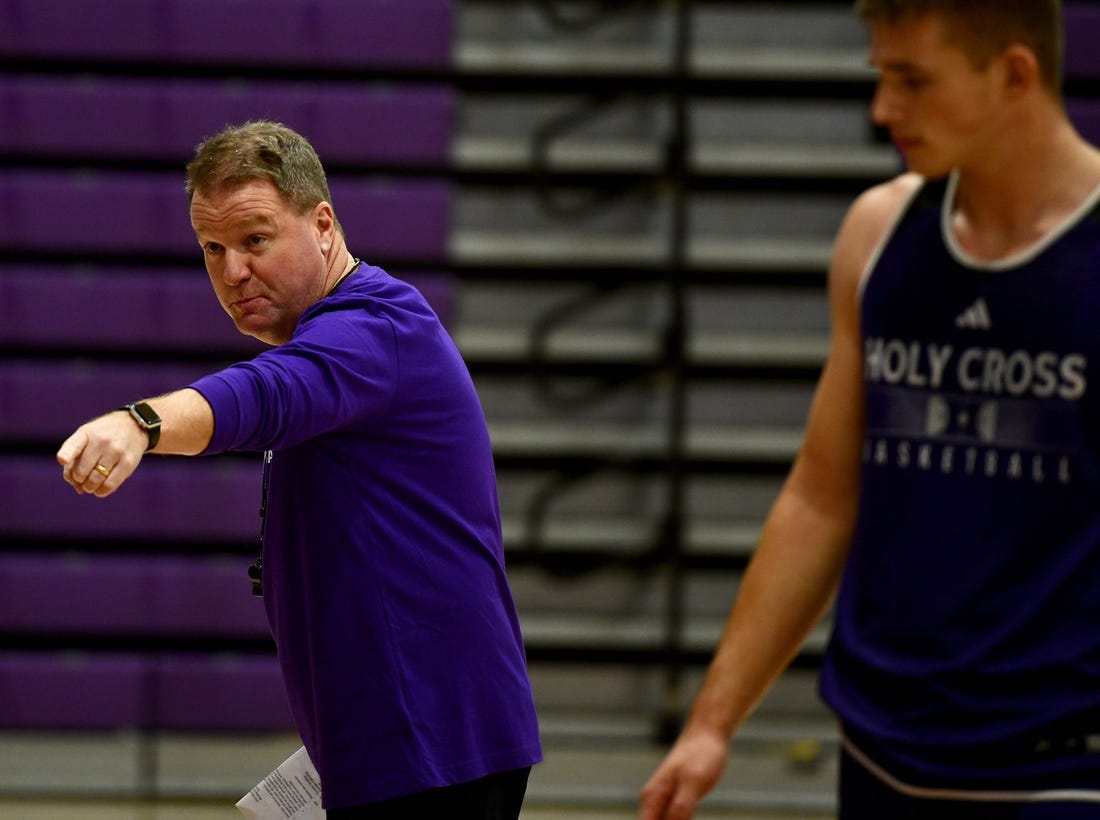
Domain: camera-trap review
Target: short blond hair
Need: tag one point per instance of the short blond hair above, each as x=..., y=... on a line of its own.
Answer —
x=985, y=28
x=260, y=149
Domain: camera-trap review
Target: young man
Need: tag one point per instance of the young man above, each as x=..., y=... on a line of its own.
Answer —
x=949, y=480
x=383, y=570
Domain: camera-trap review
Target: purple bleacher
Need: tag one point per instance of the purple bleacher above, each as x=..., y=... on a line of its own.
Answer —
x=99, y=117
x=1082, y=33
x=398, y=219
x=81, y=307
x=260, y=33
x=222, y=692
x=65, y=690
x=204, y=499
x=86, y=211
x=205, y=596
x=364, y=80
x=49, y=399
x=104, y=691
x=152, y=310
x=153, y=596
x=1085, y=115
x=76, y=593
x=439, y=291
x=116, y=212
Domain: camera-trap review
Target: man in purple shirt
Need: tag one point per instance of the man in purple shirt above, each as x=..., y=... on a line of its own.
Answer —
x=382, y=567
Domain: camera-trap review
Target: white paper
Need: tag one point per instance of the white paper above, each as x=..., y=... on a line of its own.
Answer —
x=291, y=792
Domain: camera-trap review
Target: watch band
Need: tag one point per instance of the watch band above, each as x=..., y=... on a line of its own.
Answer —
x=147, y=419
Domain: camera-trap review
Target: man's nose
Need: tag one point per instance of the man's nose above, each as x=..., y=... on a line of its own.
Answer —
x=883, y=105
x=237, y=268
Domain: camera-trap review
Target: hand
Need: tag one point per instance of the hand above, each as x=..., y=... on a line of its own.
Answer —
x=689, y=771
x=102, y=454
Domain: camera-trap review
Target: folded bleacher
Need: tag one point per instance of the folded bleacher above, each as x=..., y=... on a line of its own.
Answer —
x=135, y=612
x=220, y=34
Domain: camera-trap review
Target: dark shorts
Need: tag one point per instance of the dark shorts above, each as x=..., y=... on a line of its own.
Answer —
x=864, y=796
x=496, y=797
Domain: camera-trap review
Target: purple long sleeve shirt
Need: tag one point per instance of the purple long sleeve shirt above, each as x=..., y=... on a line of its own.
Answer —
x=384, y=578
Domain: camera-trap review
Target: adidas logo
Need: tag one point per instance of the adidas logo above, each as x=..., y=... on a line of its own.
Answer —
x=975, y=317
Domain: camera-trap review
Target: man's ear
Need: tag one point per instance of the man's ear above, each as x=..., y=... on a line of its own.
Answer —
x=1021, y=69
x=324, y=222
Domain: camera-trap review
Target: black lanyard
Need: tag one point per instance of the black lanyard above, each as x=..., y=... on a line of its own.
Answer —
x=256, y=571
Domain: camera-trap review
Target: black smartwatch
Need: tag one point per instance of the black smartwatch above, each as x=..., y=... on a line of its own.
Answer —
x=147, y=420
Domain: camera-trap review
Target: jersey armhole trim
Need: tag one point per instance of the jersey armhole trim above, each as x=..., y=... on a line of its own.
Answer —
x=884, y=240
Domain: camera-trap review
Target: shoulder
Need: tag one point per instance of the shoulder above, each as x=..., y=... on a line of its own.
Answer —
x=867, y=222
x=876, y=209
x=377, y=292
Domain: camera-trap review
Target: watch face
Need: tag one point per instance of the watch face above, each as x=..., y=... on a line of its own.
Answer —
x=146, y=414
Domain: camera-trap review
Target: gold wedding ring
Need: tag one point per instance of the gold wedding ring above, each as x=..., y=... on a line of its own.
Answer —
x=103, y=471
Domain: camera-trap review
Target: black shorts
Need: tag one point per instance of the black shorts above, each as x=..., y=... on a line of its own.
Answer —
x=496, y=797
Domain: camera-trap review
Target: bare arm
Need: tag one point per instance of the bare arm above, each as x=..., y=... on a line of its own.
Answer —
x=102, y=453
x=798, y=562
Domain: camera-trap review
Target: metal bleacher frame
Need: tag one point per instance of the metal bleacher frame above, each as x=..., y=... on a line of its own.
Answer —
x=572, y=173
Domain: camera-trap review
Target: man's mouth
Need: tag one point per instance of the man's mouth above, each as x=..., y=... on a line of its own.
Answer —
x=245, y=303
x=906, y=144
